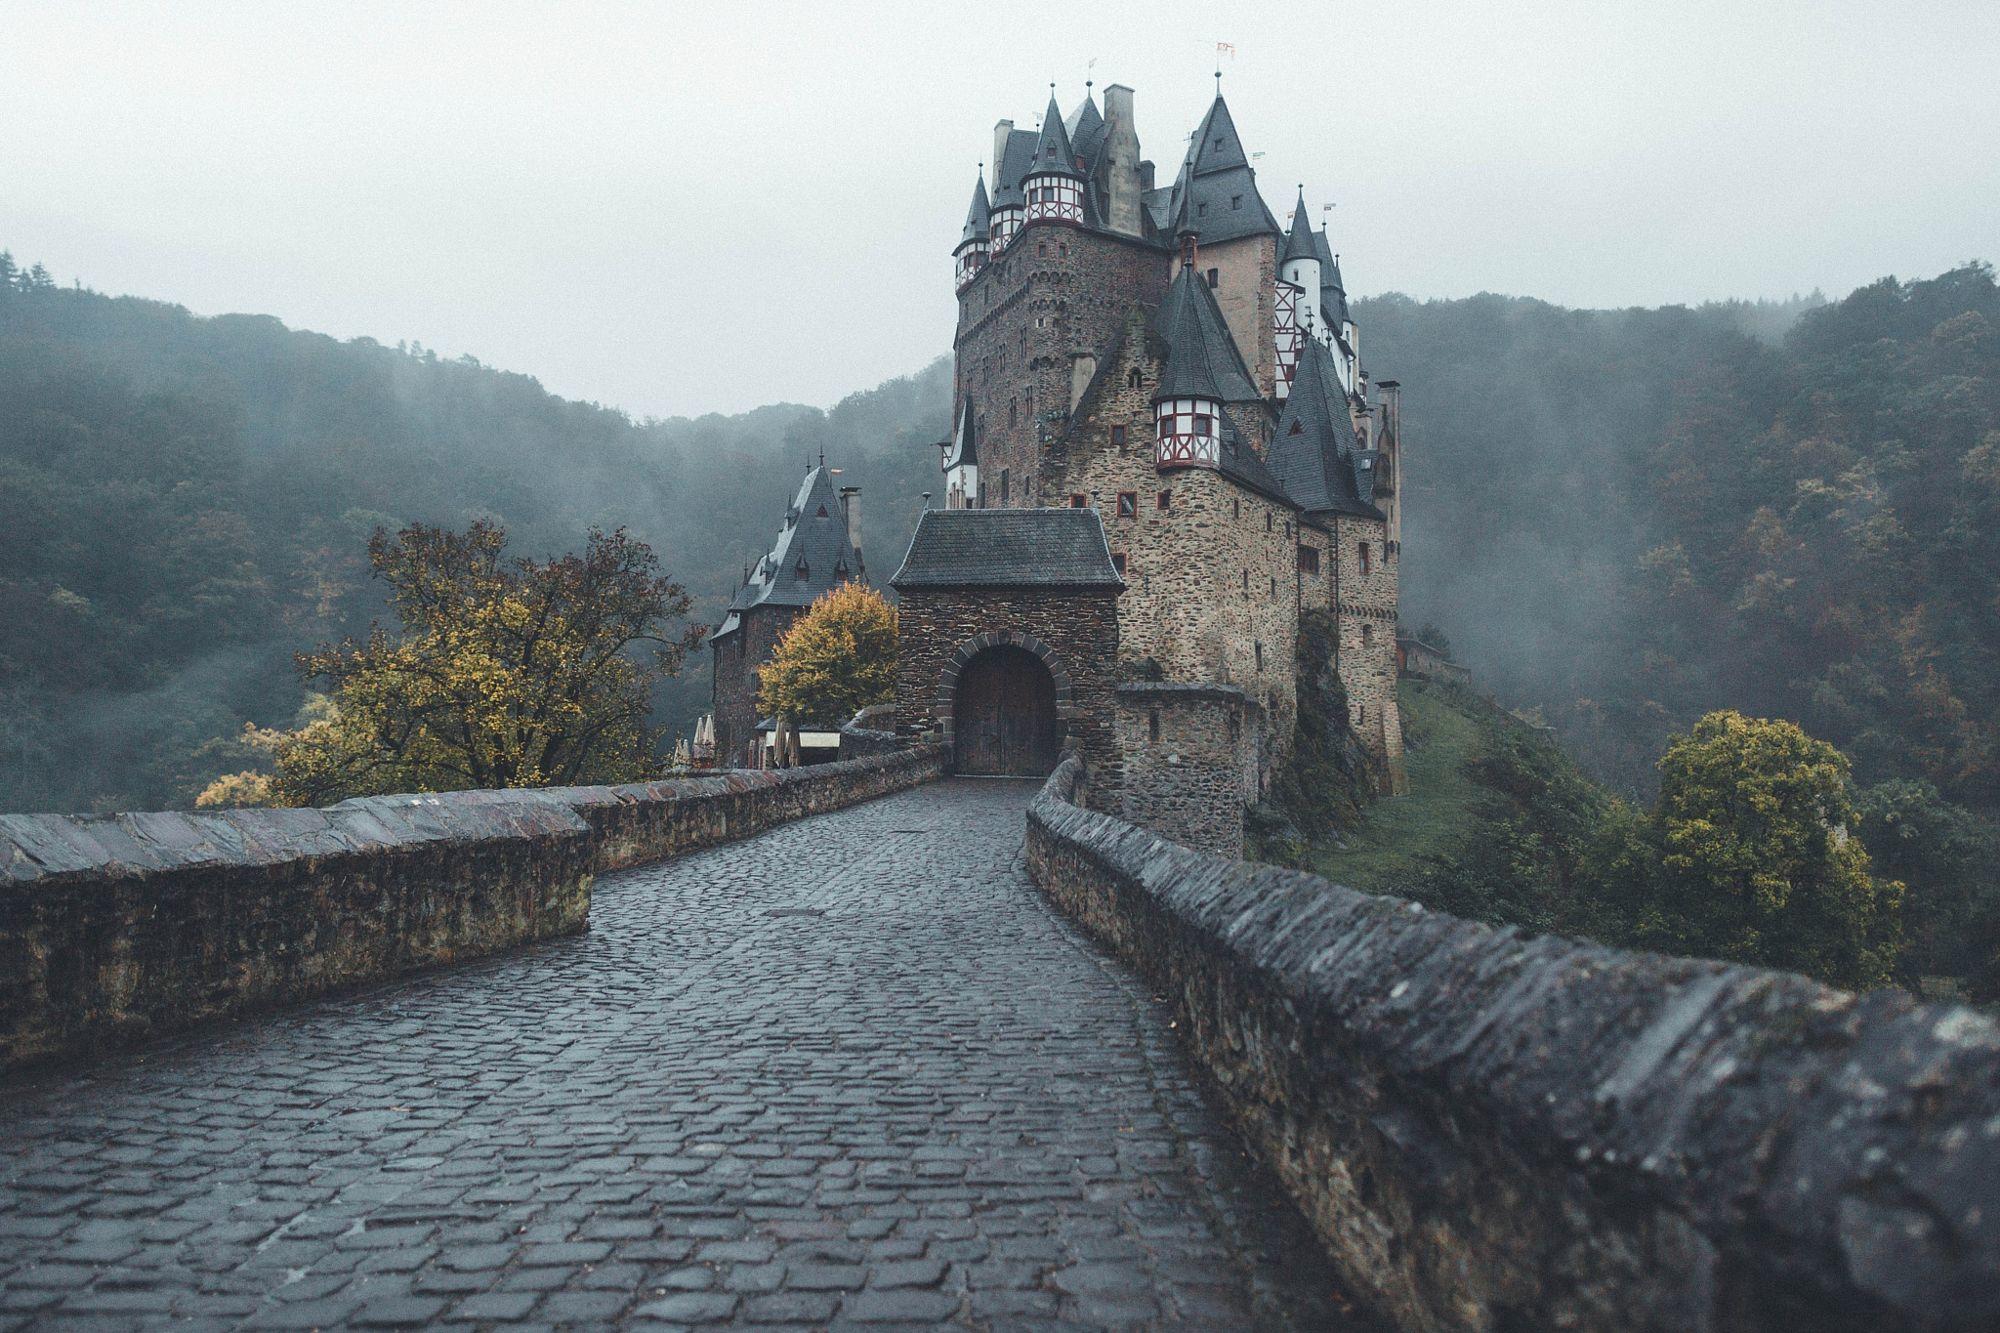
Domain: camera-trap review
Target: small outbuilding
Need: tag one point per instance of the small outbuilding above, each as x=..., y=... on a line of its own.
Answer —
x=1008, y=639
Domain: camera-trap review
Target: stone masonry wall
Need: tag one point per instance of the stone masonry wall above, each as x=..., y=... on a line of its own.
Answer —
x=1246, y=289
x=1193, y=761
x=1213, y=582
x=1054, y=291
x=114, y=928
x=737, y=657
x=1080, y=629
x=1364, y=605
x=1499, y=1133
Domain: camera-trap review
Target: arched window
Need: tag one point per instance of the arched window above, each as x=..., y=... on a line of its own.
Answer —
x=1133, y=378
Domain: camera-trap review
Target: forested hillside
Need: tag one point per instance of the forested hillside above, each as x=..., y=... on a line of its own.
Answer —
x=1628, y=518
x=1622, y=518
x=185, y=503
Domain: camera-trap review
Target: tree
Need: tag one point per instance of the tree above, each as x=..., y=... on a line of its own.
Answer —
x=1758, y=859
x=506, y=673
x=837, y=658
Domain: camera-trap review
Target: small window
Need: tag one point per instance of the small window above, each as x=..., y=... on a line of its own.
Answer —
x=1153, y=725
x=1236, y=506
x=1215, y=277
x=1367, y=635
x=1042, y=250
x=1118, y=562
x=804, y=569
x=1118, y=432
x=1003, y=485
x=1246, y=580
x=1274, y=587
x=1296, y=429
x=1166, y=501
x=1062, y=250
x=1203, y=423
x=1132, y=377
x=1201, y=209
x=1077, y=502
x=1236, y=203
x=821, y=513
x=1360, y=714
x=1270, y=521
x=1260, y=657
x=1308, y=560
x=1364, y=557
x=1128, y=504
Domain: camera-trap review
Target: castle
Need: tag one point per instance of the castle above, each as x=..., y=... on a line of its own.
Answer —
x=1172, y=357
x=1182, y=372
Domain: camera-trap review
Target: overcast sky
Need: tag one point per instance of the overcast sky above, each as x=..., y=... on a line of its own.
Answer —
x=676, y=208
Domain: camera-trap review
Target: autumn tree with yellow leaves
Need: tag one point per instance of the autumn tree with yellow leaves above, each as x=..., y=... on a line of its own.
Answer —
x=837, y=658
x=503, y=673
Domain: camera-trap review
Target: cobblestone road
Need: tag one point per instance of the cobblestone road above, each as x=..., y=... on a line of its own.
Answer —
x=854, y=1071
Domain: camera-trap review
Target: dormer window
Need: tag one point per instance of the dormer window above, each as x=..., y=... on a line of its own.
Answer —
x=1201, y=210
x=1297, y=429
x=1236, y=202
x=803, y=569
x=822, y=512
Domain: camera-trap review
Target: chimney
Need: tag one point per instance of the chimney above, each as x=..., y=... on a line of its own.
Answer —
x=1124, y=178
x=850, y=508
x=1146, y=177
x=1082, y=367
x=1001, y=129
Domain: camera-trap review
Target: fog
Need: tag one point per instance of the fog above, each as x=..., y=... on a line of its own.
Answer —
x=676, y=209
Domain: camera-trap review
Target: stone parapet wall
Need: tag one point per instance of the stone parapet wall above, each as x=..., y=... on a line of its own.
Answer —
x=1495, y=1132
x=871, y=731
x=114, y=928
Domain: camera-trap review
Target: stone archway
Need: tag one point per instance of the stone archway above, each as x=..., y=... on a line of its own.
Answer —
x=1007, y=697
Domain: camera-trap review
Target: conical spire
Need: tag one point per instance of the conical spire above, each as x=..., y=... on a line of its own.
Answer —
x=978, y=218
x=1299, y=243
x=1313, y=452
x=1053, y=154
x=1202, y=359
x=1215, y=146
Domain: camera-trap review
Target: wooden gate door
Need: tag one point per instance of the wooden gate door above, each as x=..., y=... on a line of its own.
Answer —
x=1004, y=715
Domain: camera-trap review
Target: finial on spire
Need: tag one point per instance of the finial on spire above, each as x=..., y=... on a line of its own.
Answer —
x=822, y=458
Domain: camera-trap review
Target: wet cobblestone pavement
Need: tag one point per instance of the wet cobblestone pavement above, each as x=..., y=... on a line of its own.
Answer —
x=852, y=1072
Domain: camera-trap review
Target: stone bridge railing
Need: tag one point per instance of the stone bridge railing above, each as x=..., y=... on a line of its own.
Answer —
x=118, y=927
x=1502, y=1133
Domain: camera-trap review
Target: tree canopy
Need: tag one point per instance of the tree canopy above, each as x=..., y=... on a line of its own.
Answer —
x=836, y=659
x=502, y=673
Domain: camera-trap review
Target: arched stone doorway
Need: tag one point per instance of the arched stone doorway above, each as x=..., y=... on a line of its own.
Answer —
x=1004, y=718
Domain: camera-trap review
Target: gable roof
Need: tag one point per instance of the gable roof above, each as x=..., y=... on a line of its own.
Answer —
x=1313, y=455
x=812, y=555
x=1203, y=360
x=1008, y=548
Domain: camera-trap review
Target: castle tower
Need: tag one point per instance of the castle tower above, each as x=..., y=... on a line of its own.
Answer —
x=1217, y=194
x=1297, y=308
x=1187, y=405
x=970, y=256
x=961, y=463
x=1053, y=186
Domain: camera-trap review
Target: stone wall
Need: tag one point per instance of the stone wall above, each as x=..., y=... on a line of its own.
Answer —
x=1078, y=628
x=1246, y=278
x=114, y=928
x=1054, y=291
x=1364, y=603
x=733, y=699
x=1213, y=578
x=1193, y=759
x=1497, y=1133
x=871, y=731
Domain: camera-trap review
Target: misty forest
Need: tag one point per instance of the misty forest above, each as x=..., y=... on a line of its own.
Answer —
x=1618, y=520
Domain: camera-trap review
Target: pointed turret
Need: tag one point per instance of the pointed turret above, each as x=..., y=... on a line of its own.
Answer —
x=1217, y=186
x=1016, y=149
x=1054, y=187
x=974, y=242
x=1295, y=313
x=1086, y=130
x=1204, y=370
x=961, y=462
x=1315, y=454
x=1299, y=241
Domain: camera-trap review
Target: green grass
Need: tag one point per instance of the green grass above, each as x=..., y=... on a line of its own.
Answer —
x=1398, y=838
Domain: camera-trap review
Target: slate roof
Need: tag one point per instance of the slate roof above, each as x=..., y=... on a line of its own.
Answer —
x=812, y=555
x=1012, y=167
x=1299, y=242
x=1086, y=130
x=964, y=448
x=1332, y=295
x=1202, y=358
x=978, y=217
x=1313, y=455
x=1217, y=187
x=1008, y=548
x=1053, y=152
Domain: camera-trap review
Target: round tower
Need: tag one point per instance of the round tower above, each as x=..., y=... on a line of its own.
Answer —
x=1053, y=187
x=1187, y=407
x=973, y=242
